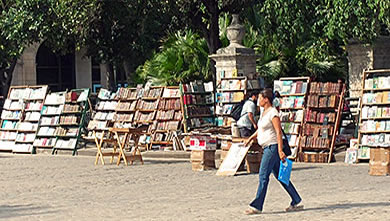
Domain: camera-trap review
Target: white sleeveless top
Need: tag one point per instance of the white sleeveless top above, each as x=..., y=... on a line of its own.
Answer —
x=266, y=134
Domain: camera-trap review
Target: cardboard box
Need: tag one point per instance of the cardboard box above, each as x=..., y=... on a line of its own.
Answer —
x=203, y=155
x=379, y=161
x=203, y=165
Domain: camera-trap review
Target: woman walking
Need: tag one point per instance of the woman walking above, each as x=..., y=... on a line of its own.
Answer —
x=269, y=136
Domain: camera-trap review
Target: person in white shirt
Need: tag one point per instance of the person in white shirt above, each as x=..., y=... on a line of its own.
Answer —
x=247, y=124
x=269, y=136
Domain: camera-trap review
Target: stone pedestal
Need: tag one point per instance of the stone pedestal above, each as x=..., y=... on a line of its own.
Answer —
x=235, y=57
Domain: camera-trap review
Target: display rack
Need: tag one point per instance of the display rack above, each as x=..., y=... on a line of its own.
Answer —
x=198, y=106
x=72, y=120
x=374, y=121
x=231, y=89
x=168, y=119
x=321, y=121
x=20, y=117
x=293, y=91
x=50, y=119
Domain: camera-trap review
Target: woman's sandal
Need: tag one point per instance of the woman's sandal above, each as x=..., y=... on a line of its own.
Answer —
x=294, y=208
x=251, y=211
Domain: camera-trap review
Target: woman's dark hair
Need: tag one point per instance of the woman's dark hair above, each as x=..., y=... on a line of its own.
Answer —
x=277, y=94
x=267, y=93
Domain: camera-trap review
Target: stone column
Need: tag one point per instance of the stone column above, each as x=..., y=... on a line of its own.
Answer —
x=83, y=70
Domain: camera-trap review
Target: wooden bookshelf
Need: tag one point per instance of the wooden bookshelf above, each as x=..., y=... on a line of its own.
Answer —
x=293, y=93
x=374, y=120
x=168, y=118
x=197, y=104
x=50, y=121
x=72, y=125
x=322, y=117
x=29, y=101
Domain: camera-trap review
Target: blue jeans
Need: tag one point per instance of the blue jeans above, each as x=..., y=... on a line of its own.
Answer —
x=270, y=162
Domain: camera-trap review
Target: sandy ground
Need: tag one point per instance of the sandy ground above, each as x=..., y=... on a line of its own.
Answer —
x=72, y=188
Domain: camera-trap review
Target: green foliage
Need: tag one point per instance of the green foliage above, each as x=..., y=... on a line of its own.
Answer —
x=183, y=57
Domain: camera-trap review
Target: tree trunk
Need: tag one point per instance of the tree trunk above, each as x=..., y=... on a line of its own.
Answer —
x=6, y=78
x=213, y=41
x=128, y=67
x=111, y=84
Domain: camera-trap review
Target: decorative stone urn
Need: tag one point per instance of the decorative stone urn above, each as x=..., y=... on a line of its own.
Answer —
x=235, y=31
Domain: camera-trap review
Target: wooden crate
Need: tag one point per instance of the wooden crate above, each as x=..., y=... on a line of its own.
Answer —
x=202, y=155
x=203, y=165
x=379, y=161
x=253, y=161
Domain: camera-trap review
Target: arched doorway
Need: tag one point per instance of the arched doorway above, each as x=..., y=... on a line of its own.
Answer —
x=57, y=71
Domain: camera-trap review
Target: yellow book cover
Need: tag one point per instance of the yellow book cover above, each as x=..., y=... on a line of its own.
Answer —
x=378, y=97
x=238, y=96
x=235, y=71
x=385, y=95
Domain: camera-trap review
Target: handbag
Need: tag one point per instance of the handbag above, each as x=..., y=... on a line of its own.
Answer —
x=286, y=146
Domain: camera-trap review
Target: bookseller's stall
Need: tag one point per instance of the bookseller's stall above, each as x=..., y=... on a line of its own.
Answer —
x=374, y=131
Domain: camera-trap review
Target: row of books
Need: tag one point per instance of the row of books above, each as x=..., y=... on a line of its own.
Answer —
x=45, y=142
x=319, y=117
x=290, y=87
x=375, y=98
x=11, y=115
x=375, y=112
x=152, y=92
x=168, y=115
x=123, y=117
x=292, y=116
x=323, y=131
x=198, y=99
x=232, y=85
x=106, y=105
x=72, y=108
x=7, y=144
x=162, y=137
x=61, y=131
x=290, y=128
x=292, y=102
x=322, y=101
x=380, y=140
x=229, y=97
x=52, y=110
x=230, y=74
x=95, y=124
x=104, y=116
x=22, y=148
x=7, y=135
x=223, y=109
x=34, y=106
x=27, y=126
x=223, y=121
x=171, y=92
x=13, y=105
x=199, y=111
x=325, y=88
x=74, y=96
x=32, y=116
x=55, y=98
x=147, y=105
x=66, y=144
x=23, y=137
x=375, y=126
x=168, y=125
x=201, y=122
x=105, y=94
x=381, y=82
x=9, y=125
x=50, y=121
x=315, y=142
x=128, y=93
x=169, y=104
x=47, y=131
x=69, y=120
x=198, y=87
x=144, y=117
x=126, y=106
x=28, y=93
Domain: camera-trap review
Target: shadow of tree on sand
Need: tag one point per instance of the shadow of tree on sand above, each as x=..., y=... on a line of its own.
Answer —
x=9, y=211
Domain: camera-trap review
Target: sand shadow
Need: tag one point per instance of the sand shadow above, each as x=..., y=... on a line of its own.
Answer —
x=10, y=211
x=171, y=161
x=340, y=206
x=304, y=168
